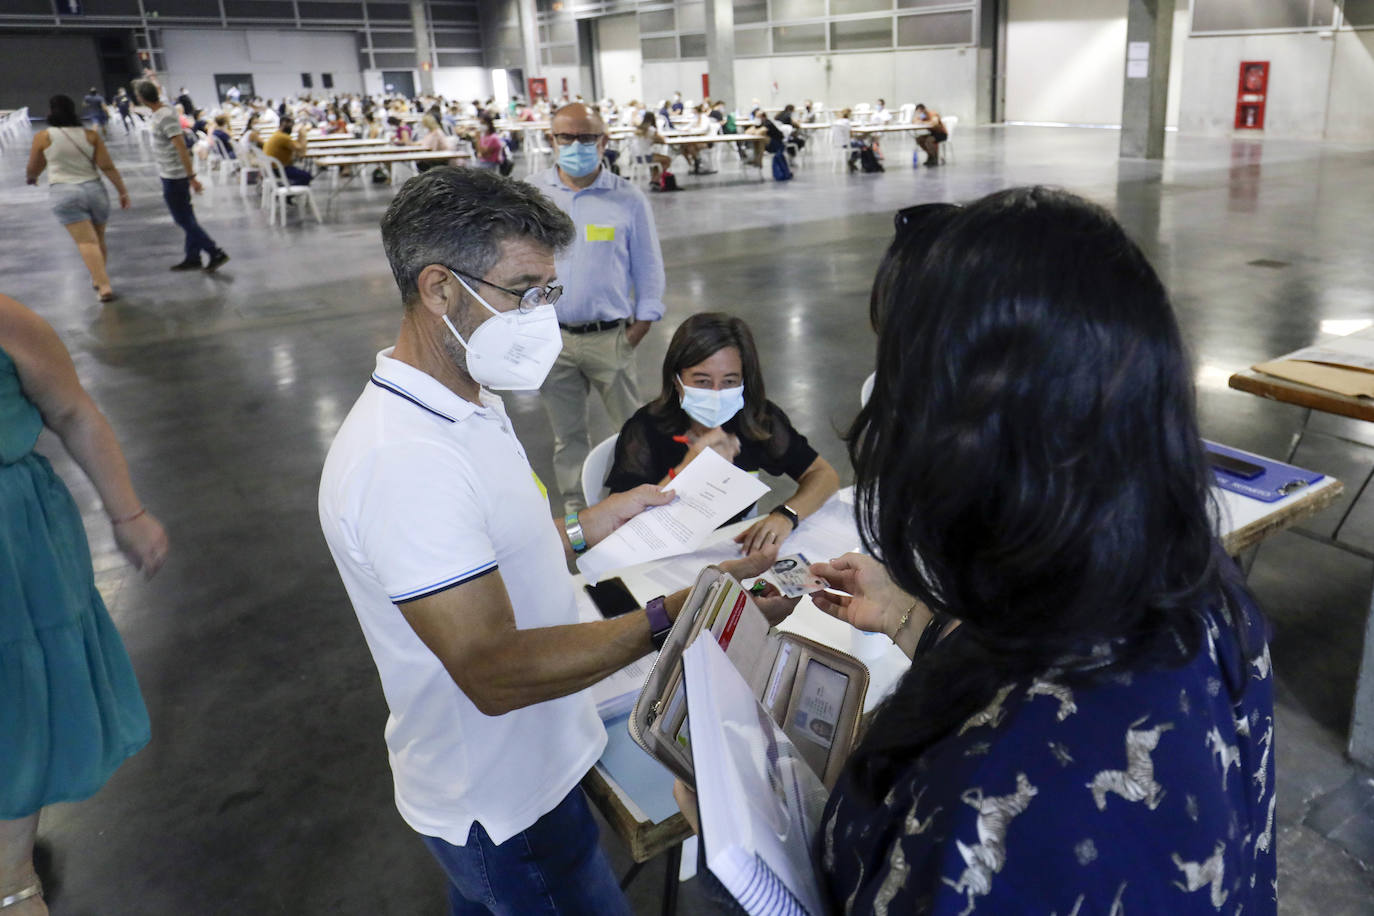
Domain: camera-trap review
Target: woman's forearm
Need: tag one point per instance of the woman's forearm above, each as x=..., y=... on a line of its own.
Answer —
x=815, y=486
x=116, y=179
x=92, y=444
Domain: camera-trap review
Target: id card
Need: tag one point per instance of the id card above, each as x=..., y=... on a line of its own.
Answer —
x=818, y=705
x=793, y=577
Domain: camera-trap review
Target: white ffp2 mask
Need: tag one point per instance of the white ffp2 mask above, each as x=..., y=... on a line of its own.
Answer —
x=511, y=351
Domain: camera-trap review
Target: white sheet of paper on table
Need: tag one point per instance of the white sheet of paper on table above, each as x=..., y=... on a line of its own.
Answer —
x=709, y=491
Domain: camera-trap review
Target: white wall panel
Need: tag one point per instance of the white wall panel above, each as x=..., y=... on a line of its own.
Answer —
x=462, y=83
x=1299, y=70
x=944, y=78
x=1350, y=115
x=1065, y=60
x=617, y=49
x=194, y=56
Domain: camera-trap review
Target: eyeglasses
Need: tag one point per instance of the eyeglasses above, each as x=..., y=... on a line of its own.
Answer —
x=530, y=299
x=570, y=139
x=909, y=218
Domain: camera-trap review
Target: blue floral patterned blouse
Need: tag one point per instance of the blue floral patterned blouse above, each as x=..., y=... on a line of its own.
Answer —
x=1150, y=793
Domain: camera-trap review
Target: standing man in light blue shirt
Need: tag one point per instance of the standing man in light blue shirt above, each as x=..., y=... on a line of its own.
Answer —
x=613, y=290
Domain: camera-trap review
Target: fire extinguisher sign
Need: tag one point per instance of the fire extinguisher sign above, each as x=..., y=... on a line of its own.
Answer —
x=1251, y=94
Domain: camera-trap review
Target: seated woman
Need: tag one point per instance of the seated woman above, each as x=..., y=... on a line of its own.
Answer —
x=643, y=142
x=713, y=397
x=435, y=140
x=221, y=136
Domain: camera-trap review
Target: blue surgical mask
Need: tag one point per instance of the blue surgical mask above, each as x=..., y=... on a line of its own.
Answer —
x=579, y=159
x=711, y=407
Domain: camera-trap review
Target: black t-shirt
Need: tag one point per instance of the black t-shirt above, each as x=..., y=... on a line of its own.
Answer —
x=646, y=450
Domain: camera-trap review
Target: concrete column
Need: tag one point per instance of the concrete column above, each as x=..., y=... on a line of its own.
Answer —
x=988, y=99
x=424, y=58
x=720, y=50
x=1149, y=38
x=529, y=43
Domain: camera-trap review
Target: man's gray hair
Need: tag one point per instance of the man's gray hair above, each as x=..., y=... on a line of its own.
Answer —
x=146, y=90
x=459, y=217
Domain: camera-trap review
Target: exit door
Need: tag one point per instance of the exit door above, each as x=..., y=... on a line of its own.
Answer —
x=399, y=81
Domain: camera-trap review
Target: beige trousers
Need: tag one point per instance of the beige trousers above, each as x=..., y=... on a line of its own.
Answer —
x=603, y=360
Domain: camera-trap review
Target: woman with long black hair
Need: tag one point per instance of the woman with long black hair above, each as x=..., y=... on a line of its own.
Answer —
x=1087, y=725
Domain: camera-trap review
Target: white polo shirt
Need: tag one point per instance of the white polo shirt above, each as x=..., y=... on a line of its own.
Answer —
x=423, y=491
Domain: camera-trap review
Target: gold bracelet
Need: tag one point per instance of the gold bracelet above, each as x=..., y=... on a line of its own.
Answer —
x=903, y=622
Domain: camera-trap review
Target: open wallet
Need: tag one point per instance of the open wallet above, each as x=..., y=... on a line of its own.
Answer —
x=814, y=692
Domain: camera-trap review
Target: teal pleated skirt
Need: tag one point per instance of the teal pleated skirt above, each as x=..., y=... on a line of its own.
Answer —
x=70, y=707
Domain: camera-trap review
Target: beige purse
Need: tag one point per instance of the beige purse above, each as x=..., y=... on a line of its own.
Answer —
x=814, y=692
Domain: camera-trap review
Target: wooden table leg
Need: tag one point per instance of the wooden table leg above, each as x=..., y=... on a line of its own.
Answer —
x=1362, y=721
x=670, y=882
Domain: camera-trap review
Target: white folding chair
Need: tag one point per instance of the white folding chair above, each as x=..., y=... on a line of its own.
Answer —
x=950, y=122
x=839, y=145
x=283, y=192
x=221, y=160
x=595, y=468
x=907, y=113
x=638, y=155
x=536, y=148
x=248, y=165
x=712, y=153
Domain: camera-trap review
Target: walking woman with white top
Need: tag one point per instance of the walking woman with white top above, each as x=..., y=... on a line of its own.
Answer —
x=74, y=157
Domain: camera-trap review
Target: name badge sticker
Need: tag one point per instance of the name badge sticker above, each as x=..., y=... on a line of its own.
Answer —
x=597, y=233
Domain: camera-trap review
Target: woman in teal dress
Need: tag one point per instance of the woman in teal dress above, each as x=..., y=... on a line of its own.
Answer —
x=70, y=708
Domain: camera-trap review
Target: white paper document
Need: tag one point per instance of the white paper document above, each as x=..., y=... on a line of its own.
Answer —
x=760, y=803
x=1350, y=352
x=709, y=491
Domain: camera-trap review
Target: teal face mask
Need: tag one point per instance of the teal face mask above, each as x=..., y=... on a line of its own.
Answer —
x=579, y=159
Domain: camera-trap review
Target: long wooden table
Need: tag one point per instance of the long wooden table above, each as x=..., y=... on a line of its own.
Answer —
x=1251, y=381
x=358, y=162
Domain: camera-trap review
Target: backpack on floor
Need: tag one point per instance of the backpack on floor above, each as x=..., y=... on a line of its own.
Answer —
x=868, y=160
x=380, y=175
x=666, y=181
x=781, y=170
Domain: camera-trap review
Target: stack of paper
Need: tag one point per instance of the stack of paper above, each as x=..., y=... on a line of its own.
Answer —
x=709, y=491
x=1345, y=366
x=760, y=803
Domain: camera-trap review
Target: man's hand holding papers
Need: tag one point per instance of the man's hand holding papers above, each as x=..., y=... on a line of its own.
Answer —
x=708, y=492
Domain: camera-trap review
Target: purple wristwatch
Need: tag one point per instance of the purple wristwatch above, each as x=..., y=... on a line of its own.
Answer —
x=659, y=623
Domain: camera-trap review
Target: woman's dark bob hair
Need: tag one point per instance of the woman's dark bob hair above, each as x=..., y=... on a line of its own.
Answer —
x=699, y=338
x=62, y=112
x=1031, y=438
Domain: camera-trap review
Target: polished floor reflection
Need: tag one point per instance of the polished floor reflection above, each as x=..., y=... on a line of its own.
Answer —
x=266, y=787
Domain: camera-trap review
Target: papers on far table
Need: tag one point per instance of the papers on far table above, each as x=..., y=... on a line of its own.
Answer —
x=709, y=491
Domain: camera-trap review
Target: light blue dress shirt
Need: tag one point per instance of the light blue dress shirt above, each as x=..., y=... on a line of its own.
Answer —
x=614, y=268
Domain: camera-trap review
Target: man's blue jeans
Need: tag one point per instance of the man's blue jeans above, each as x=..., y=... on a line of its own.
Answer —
x=555, y=867
x=177, y=193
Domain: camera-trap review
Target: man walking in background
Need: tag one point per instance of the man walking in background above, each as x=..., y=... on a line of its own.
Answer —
x=178, y=180
x=613, y=280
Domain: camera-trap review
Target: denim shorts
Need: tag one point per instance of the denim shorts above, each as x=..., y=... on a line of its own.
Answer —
x=71, y=203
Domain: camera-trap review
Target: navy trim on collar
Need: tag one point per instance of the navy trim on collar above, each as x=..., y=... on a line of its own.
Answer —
x=406, y=395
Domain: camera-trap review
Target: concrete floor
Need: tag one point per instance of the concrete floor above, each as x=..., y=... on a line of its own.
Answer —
x=266, y=788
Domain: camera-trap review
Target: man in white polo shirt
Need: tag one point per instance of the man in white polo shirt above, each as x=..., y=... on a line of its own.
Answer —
x=443, y=537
